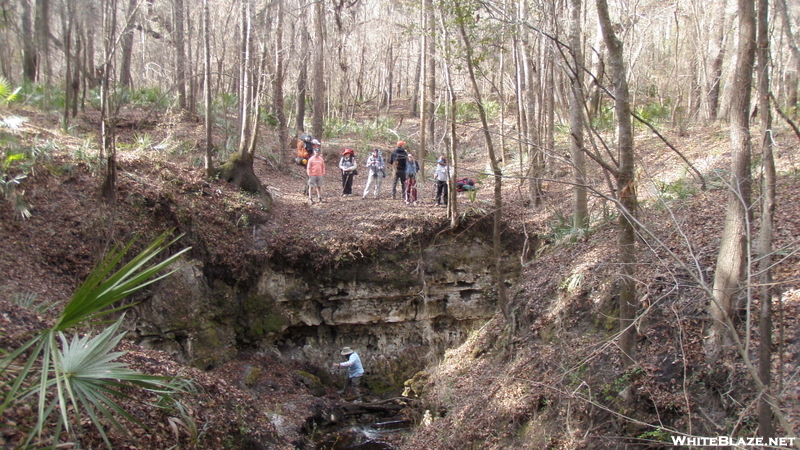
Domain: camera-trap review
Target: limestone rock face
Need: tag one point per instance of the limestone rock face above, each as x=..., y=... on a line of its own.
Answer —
x=396, y=310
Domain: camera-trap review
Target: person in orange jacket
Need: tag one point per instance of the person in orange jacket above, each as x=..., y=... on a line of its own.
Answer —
x=315, y=168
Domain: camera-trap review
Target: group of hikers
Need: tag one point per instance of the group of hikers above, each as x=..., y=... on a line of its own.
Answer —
x=405, y=166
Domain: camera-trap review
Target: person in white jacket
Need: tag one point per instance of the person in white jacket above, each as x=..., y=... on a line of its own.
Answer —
x=377, y=172
x=442, y=178
x=354, y=370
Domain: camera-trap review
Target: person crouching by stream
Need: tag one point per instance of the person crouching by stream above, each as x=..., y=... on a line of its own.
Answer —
x=315, y=168
x=354, y=370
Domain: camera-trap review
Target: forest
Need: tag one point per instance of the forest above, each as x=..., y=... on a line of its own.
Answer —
x=594, y=116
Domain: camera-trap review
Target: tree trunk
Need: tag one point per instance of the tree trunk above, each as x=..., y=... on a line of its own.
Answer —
x=430, y=85
x=209, y=161
x=792, y=75
x=41, y=25
x=452, y=139
x=599, y=70
x=733, y=246
x=318, y=121
x=549, y=138
x=302, y=81
x=626, y=187
x=423, y=50
x=75, y=77
x=30, y=61
x=580, y=204
x=415, y=93
x=67, y=19
x=766, y=428
x=533, y=146
x=108, y=117
x=244, y=79
x=277, y=86
x=713, y=95
x=498, y=180
x=180, y=52
x=125, y=79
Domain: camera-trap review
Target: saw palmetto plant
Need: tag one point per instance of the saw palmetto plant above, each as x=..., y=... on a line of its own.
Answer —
x=68, y=377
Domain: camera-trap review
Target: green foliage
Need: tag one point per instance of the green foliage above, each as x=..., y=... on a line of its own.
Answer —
x=31, y=301
x=572, y=283
x=16, y=163
x=679, y=189
x=468, y=111
x=7, y=93
x=605, y=120
x=88, y=154
x=148, y=97
x=659, y=435
x=72, y=379
x=380, y=129
x=654, y=111
x=44, y=97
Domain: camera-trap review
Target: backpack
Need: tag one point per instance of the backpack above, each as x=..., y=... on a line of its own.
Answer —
x=412, y=167
x=465, y=184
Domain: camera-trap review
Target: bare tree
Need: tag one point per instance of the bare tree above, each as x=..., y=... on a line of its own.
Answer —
x=580, y=204
x=208, y=161
x=498, y=174
x=108, y=116
x=126, y=41
x=766, y=427
x=625, y=184
x=239, y=169
x=792, y=75
x=277, y=81
x=30, y=61
x=429, y=106
x=302, y=80
x=67, y=26
x=318, y=121
x=41, y=26
x=732, y=252
x=180, y=51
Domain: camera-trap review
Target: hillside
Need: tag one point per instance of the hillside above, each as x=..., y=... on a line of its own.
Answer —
x=553, y=381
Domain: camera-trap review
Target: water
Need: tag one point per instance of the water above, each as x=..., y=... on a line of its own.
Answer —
x=377, y=436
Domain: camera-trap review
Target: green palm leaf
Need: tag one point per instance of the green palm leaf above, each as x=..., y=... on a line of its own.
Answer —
x=82, y=372
x=100, y=290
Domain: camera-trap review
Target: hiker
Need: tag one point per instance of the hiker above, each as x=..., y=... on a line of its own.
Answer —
x=305, y=149
x=398, y=160
x=354, y=370
x=315, y=170
x=412, y=167
x=377, y=172
x=442, y=177
x=348, y=165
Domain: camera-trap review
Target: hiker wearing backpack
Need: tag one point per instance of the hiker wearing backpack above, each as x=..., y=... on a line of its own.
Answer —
x=442, y=177
x=412, y=167
x=348, y=165
x=377, y=172
x=305, y=149
x=398, y=160
x=315, y=170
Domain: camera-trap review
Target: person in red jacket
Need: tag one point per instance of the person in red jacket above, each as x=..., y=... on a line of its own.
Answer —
x=315, y=168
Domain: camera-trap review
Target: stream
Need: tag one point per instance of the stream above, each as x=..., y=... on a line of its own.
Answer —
x=372, y=436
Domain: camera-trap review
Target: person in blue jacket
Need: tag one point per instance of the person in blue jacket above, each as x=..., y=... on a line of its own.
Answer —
x=354, y=370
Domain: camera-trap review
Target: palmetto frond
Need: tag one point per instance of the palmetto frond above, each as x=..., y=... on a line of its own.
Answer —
x=82, y=371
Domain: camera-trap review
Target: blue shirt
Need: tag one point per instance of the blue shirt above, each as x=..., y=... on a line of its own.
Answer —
x=353, y=364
